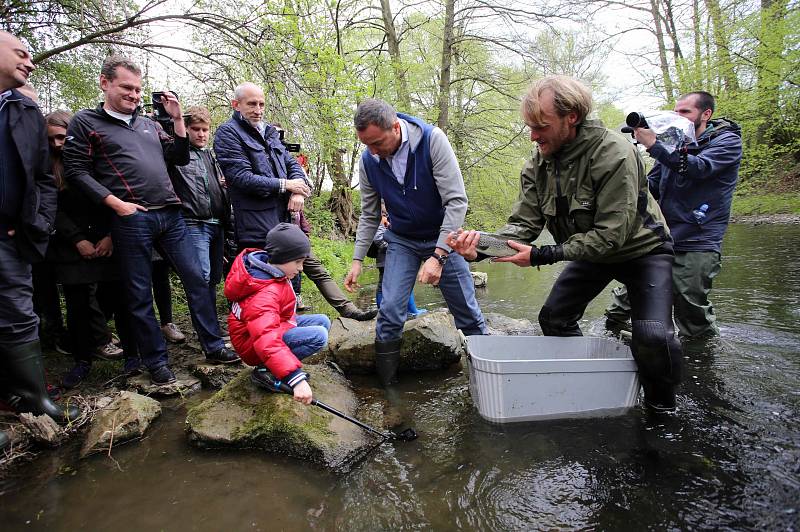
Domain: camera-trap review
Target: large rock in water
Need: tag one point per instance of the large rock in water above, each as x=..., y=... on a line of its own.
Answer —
x=127, y=417
x=430, y=342
x=244, y=416
x=503, y=325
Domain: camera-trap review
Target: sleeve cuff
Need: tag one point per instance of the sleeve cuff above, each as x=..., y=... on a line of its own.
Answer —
x=296, y=377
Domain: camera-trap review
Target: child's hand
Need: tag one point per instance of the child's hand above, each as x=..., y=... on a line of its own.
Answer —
x=302, y=393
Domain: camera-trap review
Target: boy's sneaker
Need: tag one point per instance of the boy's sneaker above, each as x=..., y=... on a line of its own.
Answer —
x=223, y=356
x=76, y=375
x=172, y=333
x=262, y=378
x=300, y=305
x=162, y=375
x=108, y=352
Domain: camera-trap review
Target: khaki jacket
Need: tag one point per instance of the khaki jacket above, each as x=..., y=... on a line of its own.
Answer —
x=608, y=214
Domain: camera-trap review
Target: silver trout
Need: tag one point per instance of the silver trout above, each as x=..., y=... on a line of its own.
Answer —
x=493, y=246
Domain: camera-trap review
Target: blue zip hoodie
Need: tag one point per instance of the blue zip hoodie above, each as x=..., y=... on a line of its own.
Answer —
x=702, y=173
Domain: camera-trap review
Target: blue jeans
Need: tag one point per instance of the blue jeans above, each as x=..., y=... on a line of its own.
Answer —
x=310, y=335
x=403, y=259
x=208, y=240
x=134, y=237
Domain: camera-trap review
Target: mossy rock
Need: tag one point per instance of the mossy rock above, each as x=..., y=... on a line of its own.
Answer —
x=244, y=416
x=430, y=342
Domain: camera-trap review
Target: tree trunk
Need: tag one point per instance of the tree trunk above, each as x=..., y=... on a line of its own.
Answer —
x=669, y=90
x=447, y=59
x=341, y=201
x=771, y=44
x=401, y=85
x=724, y=62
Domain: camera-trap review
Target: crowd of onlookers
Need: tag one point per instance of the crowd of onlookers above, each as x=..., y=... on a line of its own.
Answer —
x=108, y=203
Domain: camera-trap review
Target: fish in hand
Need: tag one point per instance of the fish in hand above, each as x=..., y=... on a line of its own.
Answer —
x=494, y=247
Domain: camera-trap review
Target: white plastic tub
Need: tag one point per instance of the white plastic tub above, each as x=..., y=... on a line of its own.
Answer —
x=524, y=378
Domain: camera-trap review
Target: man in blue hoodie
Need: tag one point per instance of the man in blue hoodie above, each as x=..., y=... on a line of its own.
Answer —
x=411, y=166
x=694, y=186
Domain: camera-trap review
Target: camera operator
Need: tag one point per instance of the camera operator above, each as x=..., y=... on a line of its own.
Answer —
x=119, y=159
x=694, y=187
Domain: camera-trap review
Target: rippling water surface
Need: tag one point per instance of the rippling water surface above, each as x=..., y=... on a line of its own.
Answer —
x=730, y=457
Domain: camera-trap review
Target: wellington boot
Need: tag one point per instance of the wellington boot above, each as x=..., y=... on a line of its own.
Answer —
x=26, y=386
x=5, y=441
x=659, y=397
x=387, y=360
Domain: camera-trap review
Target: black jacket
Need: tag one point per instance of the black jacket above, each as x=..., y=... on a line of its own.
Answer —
x=29, y=134
x=79, y=219
x=198, y=185
x=104, y=155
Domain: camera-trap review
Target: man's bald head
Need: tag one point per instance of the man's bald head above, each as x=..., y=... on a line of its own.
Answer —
x=248, y=99
x=15, y=62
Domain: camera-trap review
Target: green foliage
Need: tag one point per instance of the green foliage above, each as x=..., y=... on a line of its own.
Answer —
x=749, y=204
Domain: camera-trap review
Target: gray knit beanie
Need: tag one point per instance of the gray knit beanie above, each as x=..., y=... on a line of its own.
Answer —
x=285, y=243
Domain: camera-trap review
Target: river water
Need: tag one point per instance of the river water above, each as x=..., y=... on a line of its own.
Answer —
x=729, y=458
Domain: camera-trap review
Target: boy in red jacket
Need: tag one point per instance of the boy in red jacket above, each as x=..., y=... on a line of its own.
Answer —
x=264, y=328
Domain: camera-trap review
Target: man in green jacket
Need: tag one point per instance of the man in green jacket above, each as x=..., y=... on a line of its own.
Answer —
x=588, y=185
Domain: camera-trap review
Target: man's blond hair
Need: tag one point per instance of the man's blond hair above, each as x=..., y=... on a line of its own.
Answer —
x=197, y=114
x=569, y=96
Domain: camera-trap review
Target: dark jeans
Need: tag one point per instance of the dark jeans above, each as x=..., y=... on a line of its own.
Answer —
x=162, y=291
x=134, y=237
x=208, y=240
x=18, y=322
x=89, y=307
x=649, y=282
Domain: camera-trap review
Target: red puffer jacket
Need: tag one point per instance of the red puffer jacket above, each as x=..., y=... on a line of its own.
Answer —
x=263, y=309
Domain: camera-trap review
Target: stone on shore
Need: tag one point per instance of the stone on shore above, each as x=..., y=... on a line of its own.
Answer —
x=126, y=418
x=430, y=342
x=216, y=376
x=183, y=386
x=245, y=416
x=480, y=279
x=503, y=325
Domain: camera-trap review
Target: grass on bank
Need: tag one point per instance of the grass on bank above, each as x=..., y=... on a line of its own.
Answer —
x=749, y=204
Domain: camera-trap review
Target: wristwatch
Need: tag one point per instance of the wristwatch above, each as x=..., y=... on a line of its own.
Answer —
x=442, y=259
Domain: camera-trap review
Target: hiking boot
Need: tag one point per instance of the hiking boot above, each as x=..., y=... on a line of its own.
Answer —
x=262, y=378
x=76, y=375
x=172, y=333
x=108, y=352
x=223, y=356
x=162, y=375
x=358, y=314
x=132, y=367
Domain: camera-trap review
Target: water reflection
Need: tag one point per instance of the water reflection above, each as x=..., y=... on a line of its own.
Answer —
x=728, y=459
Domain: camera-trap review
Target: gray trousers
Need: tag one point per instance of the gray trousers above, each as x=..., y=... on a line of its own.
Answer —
x=692, y=276
x=18, y=322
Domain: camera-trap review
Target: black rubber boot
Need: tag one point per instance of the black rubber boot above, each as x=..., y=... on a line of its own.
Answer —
x=5, y=441
x=387, y=360
x=659, y=397
x=26, y=386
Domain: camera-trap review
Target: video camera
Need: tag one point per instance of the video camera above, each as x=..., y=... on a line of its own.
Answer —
x=634, y=120
x=160, y=114
x=293, y=147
